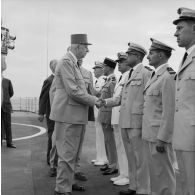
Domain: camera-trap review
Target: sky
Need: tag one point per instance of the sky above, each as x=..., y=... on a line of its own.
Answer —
x=43, y=29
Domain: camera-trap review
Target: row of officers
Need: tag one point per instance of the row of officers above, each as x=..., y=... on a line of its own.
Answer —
x=147, y=116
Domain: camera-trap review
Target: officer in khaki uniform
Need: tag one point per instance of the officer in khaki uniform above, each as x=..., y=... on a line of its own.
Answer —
x=157, y=126
x=130, y=120
x=184, y=125
x=70, y=112
x=105, y=117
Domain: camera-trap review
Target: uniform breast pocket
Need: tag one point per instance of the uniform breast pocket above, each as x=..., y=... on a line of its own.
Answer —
x=154, y=92
x=136, y=83
x=190, y=77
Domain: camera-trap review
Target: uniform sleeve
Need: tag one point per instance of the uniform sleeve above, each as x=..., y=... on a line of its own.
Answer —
x=52, y=91
x=73, y=85
x=168, y=107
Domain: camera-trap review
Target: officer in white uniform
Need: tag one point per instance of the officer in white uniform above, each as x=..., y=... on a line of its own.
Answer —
x=101, y=158
x=123, y=178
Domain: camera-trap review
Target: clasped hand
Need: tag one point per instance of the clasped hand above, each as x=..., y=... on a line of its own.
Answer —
x=100, y=103
x=161, y=146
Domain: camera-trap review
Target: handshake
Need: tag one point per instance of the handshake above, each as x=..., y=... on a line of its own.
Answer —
x=100, y=103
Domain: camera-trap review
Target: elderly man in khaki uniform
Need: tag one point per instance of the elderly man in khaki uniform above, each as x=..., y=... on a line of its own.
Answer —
x=157, y=126
x=130, y=120
x=88, y=78
x=105, y=118
x=184, y=125
x=70, y=112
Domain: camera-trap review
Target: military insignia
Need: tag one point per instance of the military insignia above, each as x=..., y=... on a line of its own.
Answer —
x=113, y=79
x=171, y=71
x=148, y=68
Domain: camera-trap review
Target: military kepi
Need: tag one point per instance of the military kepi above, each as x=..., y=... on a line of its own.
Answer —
x=185, y=14
x=109, y=62
x=157, y=45
x=98, y=65
x=79, y=39
x=135, y=47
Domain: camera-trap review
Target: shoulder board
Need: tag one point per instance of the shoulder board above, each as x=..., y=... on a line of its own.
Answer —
x=113, y=79
x=148, y=68
x=171, y=71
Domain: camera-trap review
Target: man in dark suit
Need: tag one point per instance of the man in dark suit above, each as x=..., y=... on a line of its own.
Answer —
x=6, y=109
x=44, y=107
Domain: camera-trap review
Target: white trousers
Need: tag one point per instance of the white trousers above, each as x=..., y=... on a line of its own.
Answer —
x=121, y=154
x=100, y=144
x=186, y=162
x=162, y=174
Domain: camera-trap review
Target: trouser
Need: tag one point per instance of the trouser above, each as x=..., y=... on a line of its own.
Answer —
x=186, y=162
x=100, y=144
x=139, y=179
x=110, y=144
x=53, y=152
x=77, y=164
x=162, y=175
x=50, y=129
x=68, y=140
x=6, y=126
x=121, y=154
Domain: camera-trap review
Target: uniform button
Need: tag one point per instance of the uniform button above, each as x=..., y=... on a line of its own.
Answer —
x=177, y=99
x=177, y=89
x=176, y=110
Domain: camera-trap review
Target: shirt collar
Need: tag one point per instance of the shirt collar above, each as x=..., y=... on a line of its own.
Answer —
x=189, y=51
x=162, y=65
x=136, y=66
x=74, y=57
x=125, y=73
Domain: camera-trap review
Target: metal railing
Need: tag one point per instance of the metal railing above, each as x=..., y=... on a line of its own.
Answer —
x=26, y=104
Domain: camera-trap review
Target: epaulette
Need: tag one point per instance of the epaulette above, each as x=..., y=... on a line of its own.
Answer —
x=148, y=68
x=113, y=79
x=171, y=71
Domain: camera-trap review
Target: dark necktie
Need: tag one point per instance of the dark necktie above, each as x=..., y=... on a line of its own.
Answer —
x=153, y=73
x=184, y=58
x=120, y=78
x=95, y=81
x=130, y=73
x=105, y=79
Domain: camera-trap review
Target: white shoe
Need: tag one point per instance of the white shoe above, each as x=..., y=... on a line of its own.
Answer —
x=93, y=161
x=116, y=178
x=99, y=163
x=122, y=182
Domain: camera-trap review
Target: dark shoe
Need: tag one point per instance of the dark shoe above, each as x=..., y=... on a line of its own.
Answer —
x=80, y=176
x=77, y=187
x=11, y=146
x=48, y=163
x=58, y=193
x=110, y=171
x=66, y=193
x=104, y=168
x=52, y=172
x=127, y=192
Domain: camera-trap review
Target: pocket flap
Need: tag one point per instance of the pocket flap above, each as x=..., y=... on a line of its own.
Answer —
x=155, y=123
